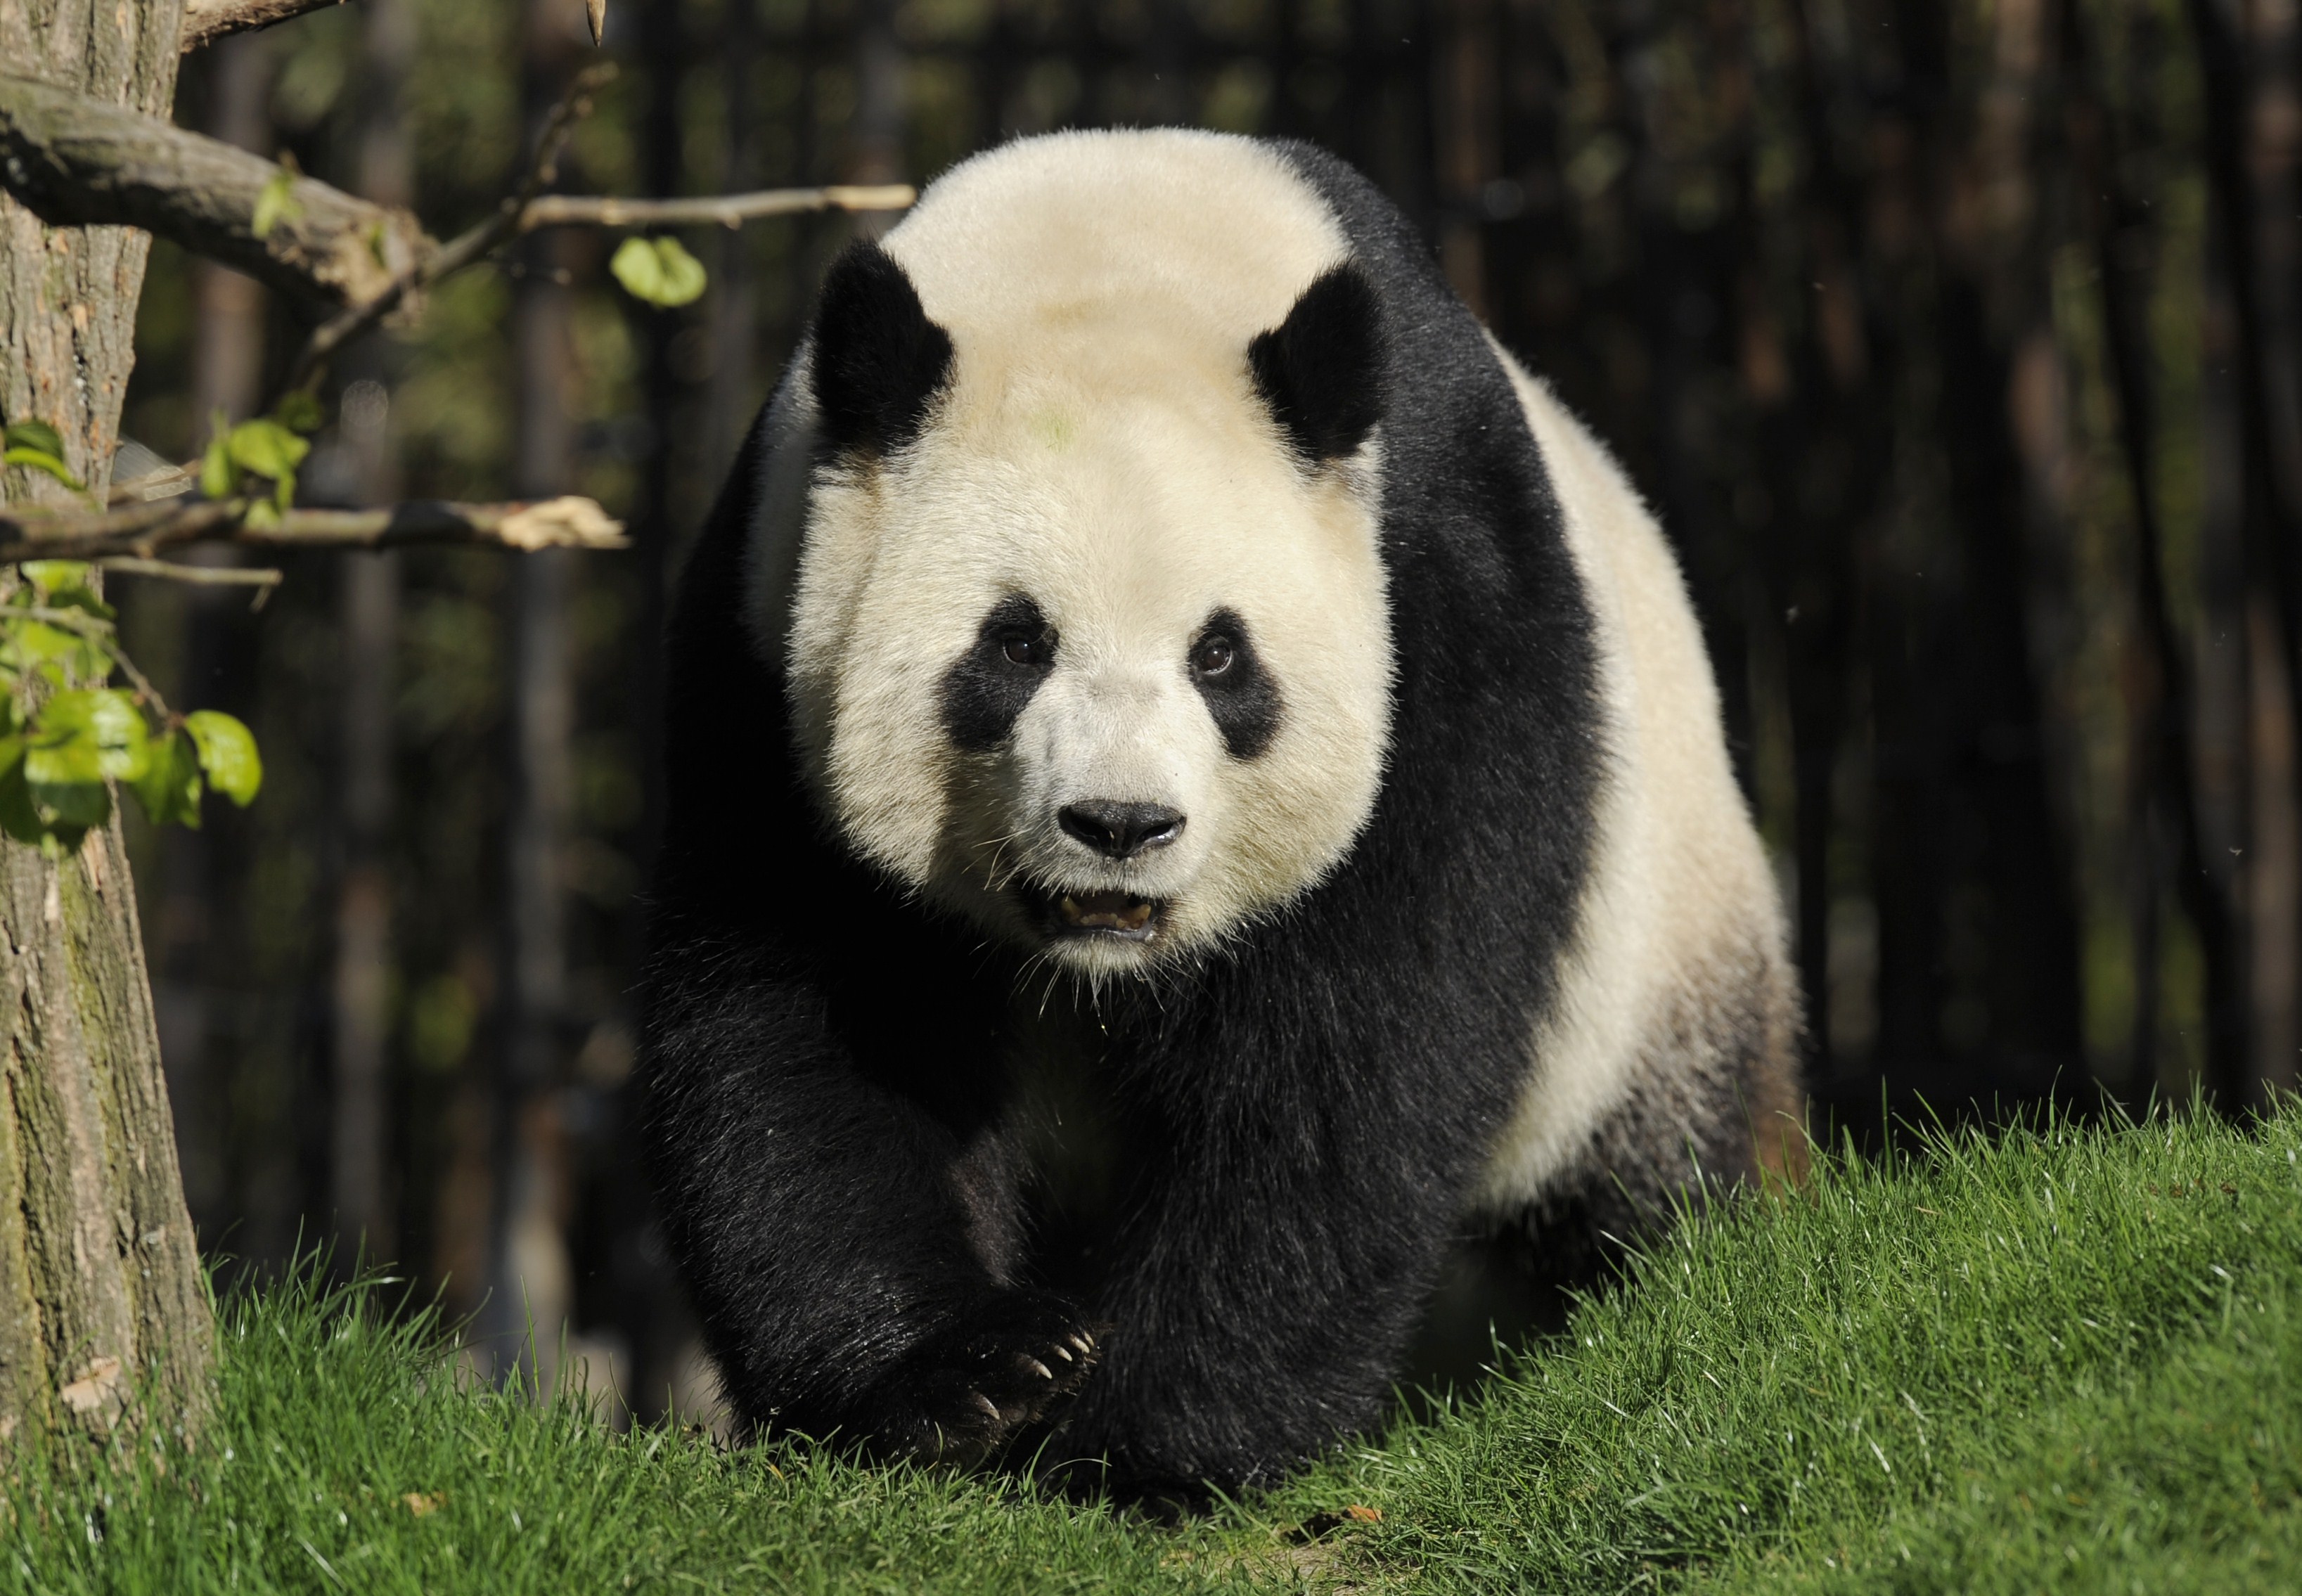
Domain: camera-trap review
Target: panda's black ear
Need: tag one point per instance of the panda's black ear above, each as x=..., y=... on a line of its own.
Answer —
x=1319, y=369
x=880, y=362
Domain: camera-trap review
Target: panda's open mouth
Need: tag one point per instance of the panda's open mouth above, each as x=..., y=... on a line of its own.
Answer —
x=1078, y=913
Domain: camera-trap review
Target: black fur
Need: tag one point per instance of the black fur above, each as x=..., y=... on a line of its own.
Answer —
x=1285, y=1135
x=984, y=690
x=879, y=362
x=1319, y=370
x=1243, y=699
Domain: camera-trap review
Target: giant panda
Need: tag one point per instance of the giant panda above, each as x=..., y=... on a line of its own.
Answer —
x=1194, y=786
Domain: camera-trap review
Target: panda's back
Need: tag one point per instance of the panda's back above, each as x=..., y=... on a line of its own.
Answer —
x=1676, y=992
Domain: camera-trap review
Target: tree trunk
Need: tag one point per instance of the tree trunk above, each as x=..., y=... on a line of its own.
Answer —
x=102, y=1307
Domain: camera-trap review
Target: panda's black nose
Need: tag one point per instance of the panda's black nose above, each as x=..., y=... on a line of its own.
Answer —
x=1121, y=830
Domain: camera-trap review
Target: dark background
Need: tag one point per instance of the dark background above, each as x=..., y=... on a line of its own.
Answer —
x=1956, y=344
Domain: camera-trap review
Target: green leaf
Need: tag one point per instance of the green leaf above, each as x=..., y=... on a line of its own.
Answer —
x=276, y=202
x=33, y=434
x=50, y=575
x=216, y=474
x=268, y=448
x=227, y=751
x=18, y=818
x=658, y=271
x=81, y=599
x=300, y=412
x=170, y=787
x=77, y=805
x=34, y=642
x=40, y=460
x=64, y=584
x=85, y=735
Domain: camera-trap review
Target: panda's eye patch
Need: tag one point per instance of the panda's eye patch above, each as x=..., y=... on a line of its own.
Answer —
x=988, y=686
x=1240, y=694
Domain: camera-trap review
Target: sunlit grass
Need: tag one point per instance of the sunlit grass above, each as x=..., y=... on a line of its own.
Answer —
x=2068, y=1360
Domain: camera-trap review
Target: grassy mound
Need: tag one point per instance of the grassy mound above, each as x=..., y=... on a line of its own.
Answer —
x=2065, y=1360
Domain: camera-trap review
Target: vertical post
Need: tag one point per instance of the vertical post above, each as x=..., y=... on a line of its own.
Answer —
x=2273, y=50
x=1464, y=103
x=360, y=1137
x=196, y=867
x=876, y=149
x=2273, y=865
x=529, y=1278
x=2247, y=57
x=734, y=311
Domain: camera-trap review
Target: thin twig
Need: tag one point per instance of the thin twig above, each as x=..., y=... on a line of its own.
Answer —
x=727, y=210
x=142, y=531
x=128, y=564
x=467, y=247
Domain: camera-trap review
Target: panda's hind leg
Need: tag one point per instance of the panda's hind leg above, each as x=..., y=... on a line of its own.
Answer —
x=1718, y=1108
x=1500, y=1289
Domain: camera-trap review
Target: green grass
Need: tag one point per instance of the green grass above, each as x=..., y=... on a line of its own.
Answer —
x=2065, y=1360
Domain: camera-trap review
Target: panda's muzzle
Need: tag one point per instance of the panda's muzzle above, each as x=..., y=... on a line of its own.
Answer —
x=1120, y=832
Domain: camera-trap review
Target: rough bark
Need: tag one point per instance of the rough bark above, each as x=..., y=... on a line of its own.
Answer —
x=103, y=1309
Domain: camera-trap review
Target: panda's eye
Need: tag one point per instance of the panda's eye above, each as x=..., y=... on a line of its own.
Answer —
x=1022, y=650
x=1213, y=654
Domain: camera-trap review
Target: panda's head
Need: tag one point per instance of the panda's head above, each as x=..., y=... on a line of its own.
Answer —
x=1087, y=635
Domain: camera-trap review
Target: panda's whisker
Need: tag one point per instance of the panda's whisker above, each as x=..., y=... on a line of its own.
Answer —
x=1055, y=975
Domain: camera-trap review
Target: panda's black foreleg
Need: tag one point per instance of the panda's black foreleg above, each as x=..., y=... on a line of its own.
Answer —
x=821, y=1218
x=1261, y=1298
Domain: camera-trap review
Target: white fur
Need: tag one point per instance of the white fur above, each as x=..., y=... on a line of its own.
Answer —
x=1102, y=451
x=1679, y=899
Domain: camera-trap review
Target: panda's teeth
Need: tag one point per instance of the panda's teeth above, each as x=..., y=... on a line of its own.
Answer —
x=1111, y=913
x=1108, y=910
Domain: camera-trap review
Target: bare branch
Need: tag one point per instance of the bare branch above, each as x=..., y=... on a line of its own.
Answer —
x=142, y=531
x=79, y=162
x=574, y=210
x=727, y=210
x=209, y=21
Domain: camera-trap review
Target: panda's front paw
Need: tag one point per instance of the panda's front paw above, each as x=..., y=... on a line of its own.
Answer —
x=957, y=1397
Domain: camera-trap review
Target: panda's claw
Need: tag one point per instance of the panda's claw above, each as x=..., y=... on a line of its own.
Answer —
x=960, y=1397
